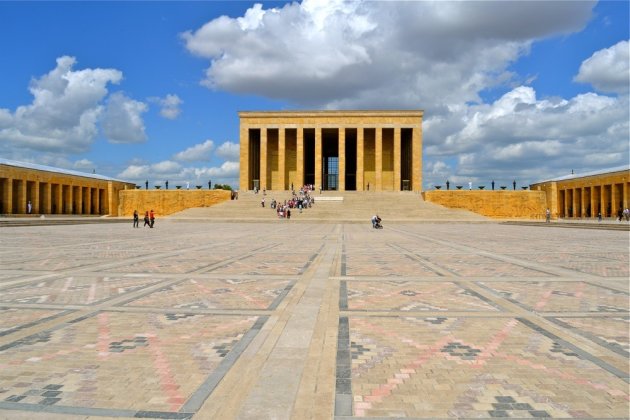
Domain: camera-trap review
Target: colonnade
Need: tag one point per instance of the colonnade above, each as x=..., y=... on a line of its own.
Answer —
x=46, y=190
x=591, y=200
x=50, y=198
x=332, y=150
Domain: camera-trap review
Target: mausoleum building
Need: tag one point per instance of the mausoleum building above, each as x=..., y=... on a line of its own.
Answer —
x=332, y=150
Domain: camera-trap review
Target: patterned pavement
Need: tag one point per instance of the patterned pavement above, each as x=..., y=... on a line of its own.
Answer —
x=291, y=320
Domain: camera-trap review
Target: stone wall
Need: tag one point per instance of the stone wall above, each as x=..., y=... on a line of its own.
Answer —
x=498, y=204
x=165, y=202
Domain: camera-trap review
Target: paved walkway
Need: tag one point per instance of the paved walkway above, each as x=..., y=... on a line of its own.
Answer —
x=306, y=321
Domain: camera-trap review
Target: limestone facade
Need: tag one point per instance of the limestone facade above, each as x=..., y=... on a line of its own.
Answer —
x=587, y=195
x=332, y=150
x=56, y=191
x=497, y=204
x=165, y=202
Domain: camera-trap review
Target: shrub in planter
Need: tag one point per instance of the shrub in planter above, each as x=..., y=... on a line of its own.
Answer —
x=138, y=187
x=503, y=187
x=179, y=187
x=524, y=188
x=157, y=187
x=481, y=187
x=437, y=187
x=459, y=187
x=198, y=187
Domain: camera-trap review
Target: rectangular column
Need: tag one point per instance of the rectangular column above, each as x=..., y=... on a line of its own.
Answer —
x=35, y=200
x=299, y=156
x=7, y=196
x=416, y=162
x=566, y=203
x=283, y=176
x=88, y=200
x=614, y=201
x=244, y=159
x=21, y=195
x=263, y=158
x=97, y=201
x=318, y=157
x=583, y=202
x=397, y=186
x=594, y=209
x=360, y=158
x=602, y=200
x=341, y=152
x=378, y=159
x=625, y=194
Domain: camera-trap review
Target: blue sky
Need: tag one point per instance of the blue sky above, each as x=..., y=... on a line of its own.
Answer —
x=151, y=90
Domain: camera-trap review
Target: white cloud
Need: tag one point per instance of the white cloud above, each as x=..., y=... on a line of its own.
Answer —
x=169, y=106
x=339, y=54
x=197, y=153
x=229, y=151
x=122, y=122
x=84, y=164
x=175, y=174
x=166, y=167
x=64, y=113
x=531, y=139
x=608, y=70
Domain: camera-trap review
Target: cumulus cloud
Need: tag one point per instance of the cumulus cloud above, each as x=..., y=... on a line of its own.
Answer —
x=169, y=106
x=122, y=121
x=524, y=137
x=608, y=70
x=339, y=54
x=229, y=151
x=65, y=110
x=84, y=164
x=197, y=153
x=159, y=173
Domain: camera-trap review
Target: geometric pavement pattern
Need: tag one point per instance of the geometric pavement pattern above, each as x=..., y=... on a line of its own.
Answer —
x=291, y=319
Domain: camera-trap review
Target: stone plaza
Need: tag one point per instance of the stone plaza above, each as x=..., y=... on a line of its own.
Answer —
x=286, y=319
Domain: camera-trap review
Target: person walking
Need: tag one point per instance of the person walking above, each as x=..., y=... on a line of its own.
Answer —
x=151, y=218
x=548, y=215
x=147, y=222
x=136, y=221
x=29, y=208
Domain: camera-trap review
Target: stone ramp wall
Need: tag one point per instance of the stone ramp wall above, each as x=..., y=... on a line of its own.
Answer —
x=498, y=204
x=165, y=202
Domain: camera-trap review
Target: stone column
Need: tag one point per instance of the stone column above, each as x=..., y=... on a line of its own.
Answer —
x=378, y=159
x=35, y=202
x=47, y=199
x=341, y=152
x=22, y=200
x=416, y=163
x=282, y=175
x=68, y=199
x=397, y=186
x=566, y=203
x=602, y=200
x=7, y=196
x=614, y=200
x=299, y=156
x=97, y=201
x=593, y=202
x=79, y=192
x=360, y=158
x=263, y=158
x=88, y=200
x=244, y=159
x=318, y=157
x=583, y=202
x=625, y=194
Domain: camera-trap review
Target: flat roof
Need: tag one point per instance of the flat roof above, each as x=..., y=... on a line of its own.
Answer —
x=587, y=174
x=354, y=113
x=37, y=167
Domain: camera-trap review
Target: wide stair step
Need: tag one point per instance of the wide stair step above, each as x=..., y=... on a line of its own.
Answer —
x=333, y=206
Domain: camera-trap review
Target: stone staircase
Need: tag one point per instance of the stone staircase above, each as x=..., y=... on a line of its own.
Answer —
x=334, y=206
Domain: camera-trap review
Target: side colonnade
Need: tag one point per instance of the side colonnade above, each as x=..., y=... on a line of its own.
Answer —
x=25, y=190
x=588, y=195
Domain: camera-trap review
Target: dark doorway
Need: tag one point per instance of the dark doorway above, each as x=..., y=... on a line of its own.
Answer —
x=351, y=159
x=406, y=156
x=309, y=156
x=254, y=159
x=330, y=159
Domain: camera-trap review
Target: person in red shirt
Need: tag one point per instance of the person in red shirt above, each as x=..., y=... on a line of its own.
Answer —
x=152, y=218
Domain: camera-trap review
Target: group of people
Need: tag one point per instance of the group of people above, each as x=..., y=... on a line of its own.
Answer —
x=299, y=201
x=149, y=219
x=623, y=215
